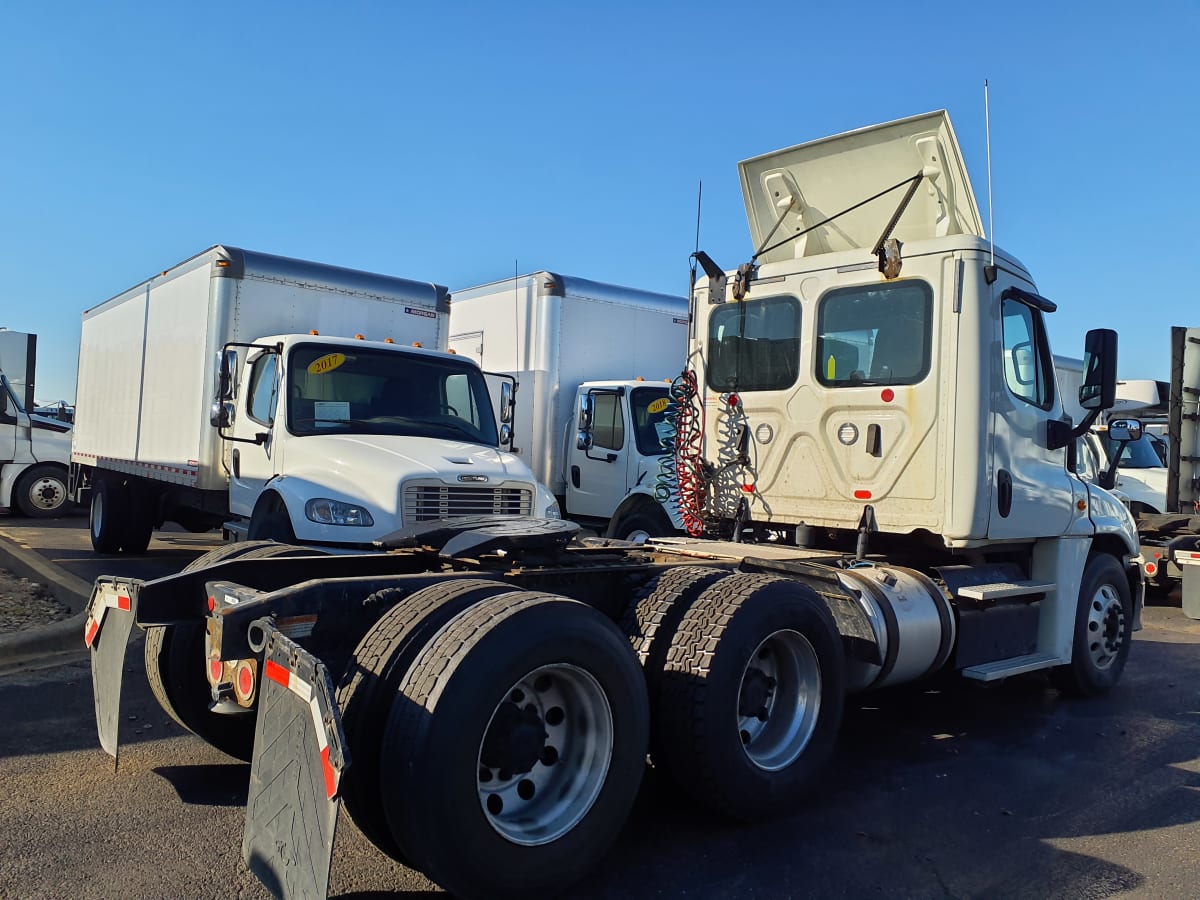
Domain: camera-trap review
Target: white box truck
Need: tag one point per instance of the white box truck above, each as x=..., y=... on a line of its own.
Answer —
x=885, y=496
x=35, y=450
x=582, y=350
x=239, y=389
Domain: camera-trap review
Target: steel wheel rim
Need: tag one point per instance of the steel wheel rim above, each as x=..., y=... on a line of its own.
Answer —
x=1106, y=626
x=638, y=536
x=779, y=700
x=97, y=512
x=39, y=497
x=570, y=710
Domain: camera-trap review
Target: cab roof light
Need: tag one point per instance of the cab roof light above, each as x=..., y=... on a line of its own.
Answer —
x=388, y=341
x=313, y=331
x=359, y=337
x=417, y=343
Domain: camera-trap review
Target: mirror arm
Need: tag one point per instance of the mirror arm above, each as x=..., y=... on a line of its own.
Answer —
x=1059, y=434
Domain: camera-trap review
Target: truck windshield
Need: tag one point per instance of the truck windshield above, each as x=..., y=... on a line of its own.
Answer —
x=352, y=390
x=1136, y=455
x=654, y=434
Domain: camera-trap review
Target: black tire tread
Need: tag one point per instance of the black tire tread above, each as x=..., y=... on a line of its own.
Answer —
x=381, y=657
x=681, y=704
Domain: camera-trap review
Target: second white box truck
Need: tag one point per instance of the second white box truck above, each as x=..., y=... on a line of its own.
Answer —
x=239, y=389
x=594, y=363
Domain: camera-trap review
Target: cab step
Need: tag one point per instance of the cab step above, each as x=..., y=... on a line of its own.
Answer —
x=1004, y=590
x=1006, y=668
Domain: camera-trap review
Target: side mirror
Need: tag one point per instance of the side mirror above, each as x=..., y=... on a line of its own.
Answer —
x=1099, y=389
x=225, y=374
x=505, y=433
x=221, y=415
x=1125, y=431
x=506, y=403
x=586, y=407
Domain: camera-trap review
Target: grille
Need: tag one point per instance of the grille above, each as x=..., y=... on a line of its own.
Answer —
x=423, y=503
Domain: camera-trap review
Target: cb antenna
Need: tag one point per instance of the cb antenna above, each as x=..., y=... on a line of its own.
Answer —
x=987, y=129
x=692, y=274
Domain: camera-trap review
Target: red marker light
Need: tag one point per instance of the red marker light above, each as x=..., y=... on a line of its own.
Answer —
x=214, y=670
x=212, y=603
x=245, y=679
x=748, y=488
x=862, y=495
x=734, y=400
x=887, y=395
x=1151, y=569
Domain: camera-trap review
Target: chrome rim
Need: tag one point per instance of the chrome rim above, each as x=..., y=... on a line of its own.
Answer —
x=1106, y=626
x=545, y=754
x=47, y=493
x=779, y=700
x=638, y=536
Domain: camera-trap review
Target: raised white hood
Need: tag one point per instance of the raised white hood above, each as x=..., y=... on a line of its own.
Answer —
x=825, y=177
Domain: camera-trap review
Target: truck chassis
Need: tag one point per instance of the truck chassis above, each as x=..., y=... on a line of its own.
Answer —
x=483, y=694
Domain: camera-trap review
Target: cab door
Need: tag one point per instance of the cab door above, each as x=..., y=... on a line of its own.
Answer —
x=1032, y=491
x=254, y=456
x=597, y=477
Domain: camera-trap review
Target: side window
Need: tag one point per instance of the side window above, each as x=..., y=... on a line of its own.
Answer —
x=608, y=425
x=1026, y=354
x=260, y=405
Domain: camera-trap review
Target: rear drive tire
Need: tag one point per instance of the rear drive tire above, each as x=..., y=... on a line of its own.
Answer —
x=382, y=658
x=517, y=743
x=104, y=523
x=653, y=617
x=41, y=492
x=752, y=695
x=175, y=660
x=1103, y=630
x=139, y=520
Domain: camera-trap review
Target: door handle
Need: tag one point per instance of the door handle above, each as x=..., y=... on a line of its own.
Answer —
x=575, y=476
x=1004, y=493
x=236, y=458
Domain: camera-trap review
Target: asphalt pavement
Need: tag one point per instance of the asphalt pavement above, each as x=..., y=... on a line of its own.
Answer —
x=958, y=790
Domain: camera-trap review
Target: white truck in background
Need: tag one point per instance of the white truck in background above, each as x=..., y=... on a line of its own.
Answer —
x=35, y=450
x=593, y=363
x=238, y=390
x=1164, y=498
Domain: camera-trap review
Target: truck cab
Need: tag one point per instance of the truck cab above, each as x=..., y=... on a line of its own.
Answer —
x=336, y=441
x=35, y=450
x=620, y=459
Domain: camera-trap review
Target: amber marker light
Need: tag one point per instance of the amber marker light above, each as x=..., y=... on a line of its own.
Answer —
x=1081, y=505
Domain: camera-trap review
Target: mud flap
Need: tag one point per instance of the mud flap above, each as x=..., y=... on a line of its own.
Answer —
x=109, y=622
x=299, y=759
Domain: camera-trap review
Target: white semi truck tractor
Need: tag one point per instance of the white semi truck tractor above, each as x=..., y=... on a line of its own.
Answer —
x=874, y=466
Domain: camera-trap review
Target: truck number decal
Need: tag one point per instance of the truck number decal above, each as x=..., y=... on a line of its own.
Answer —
x=326, y=363
x=423, y=313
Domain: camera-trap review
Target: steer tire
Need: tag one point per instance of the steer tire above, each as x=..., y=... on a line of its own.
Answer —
x=749, y=645
x=511, y=656
x=1103, y=630
x=175, y=660
x=365, y=694
x=41, y=492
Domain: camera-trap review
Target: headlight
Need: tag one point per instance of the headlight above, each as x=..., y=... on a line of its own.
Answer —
x=324, y=511
x=552, y=511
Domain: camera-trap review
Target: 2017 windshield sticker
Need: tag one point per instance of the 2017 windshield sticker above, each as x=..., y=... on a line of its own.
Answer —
x=326, y=363
x=657, y=406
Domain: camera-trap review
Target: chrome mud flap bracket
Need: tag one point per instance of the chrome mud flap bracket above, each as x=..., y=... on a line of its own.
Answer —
x=299, y=759
x=109, y=621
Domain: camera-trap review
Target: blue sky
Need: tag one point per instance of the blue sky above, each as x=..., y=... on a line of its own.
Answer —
x=451, y=143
